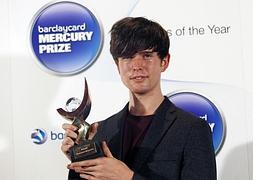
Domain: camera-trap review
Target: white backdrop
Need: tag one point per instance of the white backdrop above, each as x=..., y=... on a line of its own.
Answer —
x=217, y=65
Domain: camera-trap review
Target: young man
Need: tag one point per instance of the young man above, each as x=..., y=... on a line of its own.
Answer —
x=150, y=138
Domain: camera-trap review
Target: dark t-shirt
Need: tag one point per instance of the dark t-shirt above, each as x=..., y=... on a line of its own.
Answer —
x=135, y=128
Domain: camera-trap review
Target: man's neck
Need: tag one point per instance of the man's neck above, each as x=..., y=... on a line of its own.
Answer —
x=142, y=105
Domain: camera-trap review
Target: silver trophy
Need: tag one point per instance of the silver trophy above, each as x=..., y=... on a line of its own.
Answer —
x=77, y=112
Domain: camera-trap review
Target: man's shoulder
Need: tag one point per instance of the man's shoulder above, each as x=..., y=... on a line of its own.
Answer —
x=189, y=119
x=185, y=115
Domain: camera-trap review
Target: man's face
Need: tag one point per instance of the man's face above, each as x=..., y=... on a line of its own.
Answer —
x=141, y=73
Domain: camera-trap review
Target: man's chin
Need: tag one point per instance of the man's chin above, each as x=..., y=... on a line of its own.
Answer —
x=140, y=91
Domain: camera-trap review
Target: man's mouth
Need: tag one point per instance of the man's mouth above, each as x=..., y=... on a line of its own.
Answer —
x=139, y=77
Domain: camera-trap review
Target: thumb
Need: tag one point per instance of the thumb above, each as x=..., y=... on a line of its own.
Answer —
x=92, y=131
x=106, y=150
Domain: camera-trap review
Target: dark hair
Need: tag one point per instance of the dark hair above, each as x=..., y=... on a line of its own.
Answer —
x=131, y=35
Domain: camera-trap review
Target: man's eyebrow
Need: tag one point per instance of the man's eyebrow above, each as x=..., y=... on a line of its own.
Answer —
x=146, y=51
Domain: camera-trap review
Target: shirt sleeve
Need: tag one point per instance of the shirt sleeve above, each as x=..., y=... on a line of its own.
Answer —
x=199, y=156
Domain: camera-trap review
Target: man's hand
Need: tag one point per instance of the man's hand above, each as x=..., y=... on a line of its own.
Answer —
x=107, y=167
x=70, y=134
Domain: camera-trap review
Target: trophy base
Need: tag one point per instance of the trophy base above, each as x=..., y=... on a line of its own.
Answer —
x=86, y=150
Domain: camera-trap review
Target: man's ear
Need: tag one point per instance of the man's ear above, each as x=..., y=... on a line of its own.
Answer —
x=117, y=64
x=165, y=62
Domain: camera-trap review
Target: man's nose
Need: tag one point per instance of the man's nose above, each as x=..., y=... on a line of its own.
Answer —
x=137, y=62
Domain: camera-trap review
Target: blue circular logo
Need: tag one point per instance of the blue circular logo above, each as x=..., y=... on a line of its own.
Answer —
x=39, y=136
x=66, y=38
x=206, y=110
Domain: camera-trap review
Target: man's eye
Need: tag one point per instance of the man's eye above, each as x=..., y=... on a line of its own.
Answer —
x=126, y=58
x=147, y=56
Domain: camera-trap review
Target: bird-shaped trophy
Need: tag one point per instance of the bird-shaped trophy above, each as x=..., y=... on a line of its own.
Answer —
x=83, y=149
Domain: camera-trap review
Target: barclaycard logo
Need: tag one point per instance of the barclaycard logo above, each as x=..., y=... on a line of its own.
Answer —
x=206, y=110
x=65, y=38
x=40, y=136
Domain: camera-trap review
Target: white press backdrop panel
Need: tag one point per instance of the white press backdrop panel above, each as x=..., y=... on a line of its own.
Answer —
x=6, y=130
x=247, y=29
x=216, y=65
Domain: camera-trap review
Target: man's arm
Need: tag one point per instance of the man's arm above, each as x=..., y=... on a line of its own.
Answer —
x=199, y=156
x=106, y=167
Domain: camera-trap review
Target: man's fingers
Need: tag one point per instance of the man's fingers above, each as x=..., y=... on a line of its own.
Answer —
x=70, y=130
x=67, y=141
x=106, y=150
x=65, y=149
x=66, y=144
x=91, y=162
x=70, y=133
x=67, y=126
x=88, y=169
x=92, y=131
x=88, y=176
x=87, y=163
